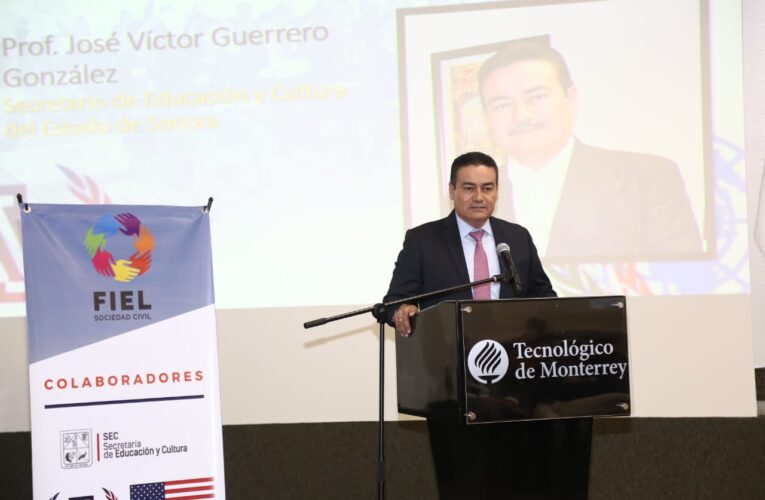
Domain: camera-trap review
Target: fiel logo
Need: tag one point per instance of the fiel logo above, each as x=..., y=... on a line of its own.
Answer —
x=124, y=270
x=488, y=361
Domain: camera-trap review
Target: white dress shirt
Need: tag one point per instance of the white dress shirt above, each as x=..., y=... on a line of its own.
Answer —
x=536, y=192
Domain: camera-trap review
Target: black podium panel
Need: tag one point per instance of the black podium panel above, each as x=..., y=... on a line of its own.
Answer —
x=429, y=366
x=493, y=361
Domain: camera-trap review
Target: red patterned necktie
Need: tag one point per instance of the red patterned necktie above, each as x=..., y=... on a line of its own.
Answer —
x=480, y=268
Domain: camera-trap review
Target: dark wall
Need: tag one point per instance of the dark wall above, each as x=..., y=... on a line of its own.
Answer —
x=631, y=459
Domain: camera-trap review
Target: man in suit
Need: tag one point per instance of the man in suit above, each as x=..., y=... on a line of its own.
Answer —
x=579, y=201
x=519, y=460
x=440, y=254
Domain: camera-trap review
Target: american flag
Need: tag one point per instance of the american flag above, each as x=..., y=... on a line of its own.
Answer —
x=181, y=489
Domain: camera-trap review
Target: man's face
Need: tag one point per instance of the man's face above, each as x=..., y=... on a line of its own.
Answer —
x=474, y=194
x=530, y=114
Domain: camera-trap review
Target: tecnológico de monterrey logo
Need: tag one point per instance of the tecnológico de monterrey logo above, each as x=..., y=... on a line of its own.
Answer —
x=488, y=361
x=121, y=225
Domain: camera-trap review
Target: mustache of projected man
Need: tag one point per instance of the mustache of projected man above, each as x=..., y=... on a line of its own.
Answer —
x=577, y=200
x=531, y=114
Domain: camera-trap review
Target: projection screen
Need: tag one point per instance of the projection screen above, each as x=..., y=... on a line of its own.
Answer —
x=323, y=130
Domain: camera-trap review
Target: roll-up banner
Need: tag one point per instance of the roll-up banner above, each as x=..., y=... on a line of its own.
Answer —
x=123, y=364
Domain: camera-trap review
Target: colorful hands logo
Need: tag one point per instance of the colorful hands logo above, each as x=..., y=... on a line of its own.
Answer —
x=124, y=270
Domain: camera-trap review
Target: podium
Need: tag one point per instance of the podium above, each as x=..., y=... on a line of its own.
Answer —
x=475, y=362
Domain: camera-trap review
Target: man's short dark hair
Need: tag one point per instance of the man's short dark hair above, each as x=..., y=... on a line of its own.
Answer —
x=526, y=51
x=474, y=158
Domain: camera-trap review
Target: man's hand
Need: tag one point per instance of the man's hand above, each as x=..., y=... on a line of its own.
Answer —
x=402, y=319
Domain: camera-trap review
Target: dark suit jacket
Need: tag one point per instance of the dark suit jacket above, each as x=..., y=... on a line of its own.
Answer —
x=432, y=259
x=617, y=204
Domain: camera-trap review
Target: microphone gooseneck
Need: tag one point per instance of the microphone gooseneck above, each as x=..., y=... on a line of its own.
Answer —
x=508, y=267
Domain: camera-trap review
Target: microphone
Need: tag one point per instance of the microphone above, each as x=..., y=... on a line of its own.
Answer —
x=508, y=267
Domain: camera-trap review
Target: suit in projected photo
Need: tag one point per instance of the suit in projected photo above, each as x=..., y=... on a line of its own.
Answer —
x=519, y=100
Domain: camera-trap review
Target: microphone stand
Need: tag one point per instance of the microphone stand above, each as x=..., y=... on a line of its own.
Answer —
x=380, y=312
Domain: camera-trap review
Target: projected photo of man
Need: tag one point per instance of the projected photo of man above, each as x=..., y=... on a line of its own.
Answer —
x=580, y=201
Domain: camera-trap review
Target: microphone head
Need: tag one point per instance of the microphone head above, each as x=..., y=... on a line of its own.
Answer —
x=503, y=247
